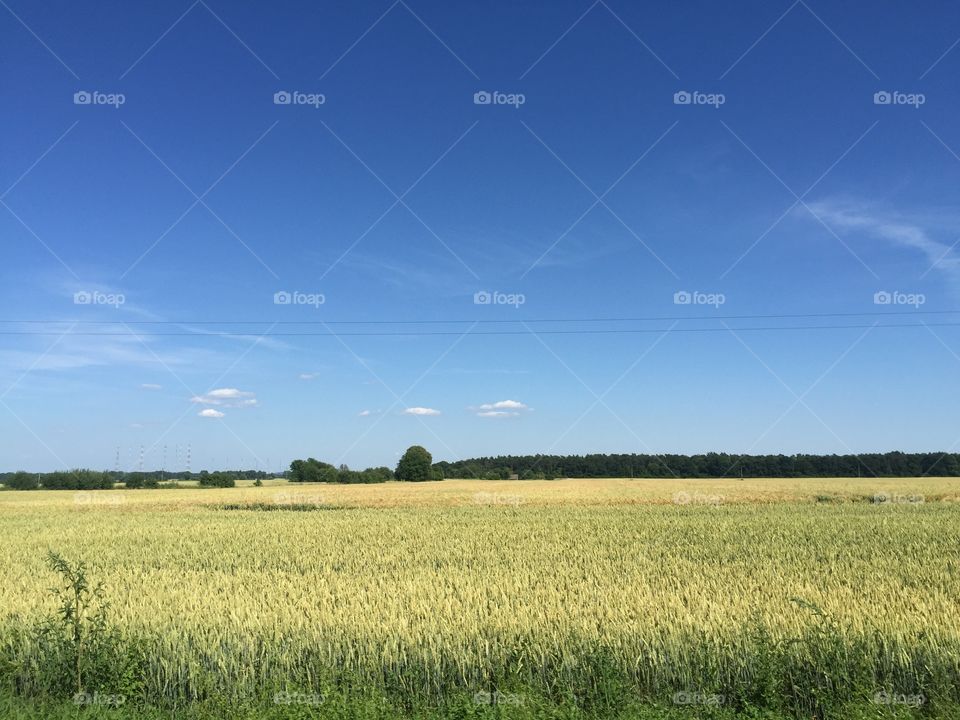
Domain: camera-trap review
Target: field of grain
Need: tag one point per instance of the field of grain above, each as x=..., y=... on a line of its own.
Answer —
x=796, y=594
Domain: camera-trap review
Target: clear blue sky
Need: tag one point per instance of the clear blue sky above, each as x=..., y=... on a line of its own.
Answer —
x=783, y=186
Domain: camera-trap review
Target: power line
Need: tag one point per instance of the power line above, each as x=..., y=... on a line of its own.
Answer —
x=654, y=318
x=421, y=333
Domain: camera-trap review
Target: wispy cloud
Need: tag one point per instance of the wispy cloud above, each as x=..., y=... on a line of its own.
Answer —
x=898, y=230
x=151, y=386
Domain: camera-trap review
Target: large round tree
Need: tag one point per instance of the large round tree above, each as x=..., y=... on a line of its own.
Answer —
x=415, y=465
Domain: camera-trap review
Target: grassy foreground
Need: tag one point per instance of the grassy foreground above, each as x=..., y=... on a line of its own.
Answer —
x=565, y=599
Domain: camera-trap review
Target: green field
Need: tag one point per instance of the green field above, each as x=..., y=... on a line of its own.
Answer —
x=587, y=598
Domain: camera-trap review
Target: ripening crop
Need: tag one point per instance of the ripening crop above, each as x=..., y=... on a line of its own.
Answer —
x=814, y=588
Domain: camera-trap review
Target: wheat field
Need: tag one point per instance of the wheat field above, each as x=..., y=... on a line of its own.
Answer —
x=830, y=590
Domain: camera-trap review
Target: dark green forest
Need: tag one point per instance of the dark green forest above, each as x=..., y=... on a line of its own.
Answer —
x=709, y=465
x=530, y=467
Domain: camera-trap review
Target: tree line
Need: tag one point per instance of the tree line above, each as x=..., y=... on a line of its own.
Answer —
x=416, y=465
x=84, y=479
x=708, y=465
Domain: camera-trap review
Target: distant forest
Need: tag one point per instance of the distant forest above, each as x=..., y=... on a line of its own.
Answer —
x=710, y=465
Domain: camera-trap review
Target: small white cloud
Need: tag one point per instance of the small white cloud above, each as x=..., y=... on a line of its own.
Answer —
x=228, y=393
x=136, y=426
x=501, y=408
x=504, y=405
x=210, y=413
x=228, y=397
x=363, y=413
x=420, y=411
x=307, y=376
x=151, y=386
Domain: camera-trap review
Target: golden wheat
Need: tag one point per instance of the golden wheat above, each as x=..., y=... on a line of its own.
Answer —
x=437, y=585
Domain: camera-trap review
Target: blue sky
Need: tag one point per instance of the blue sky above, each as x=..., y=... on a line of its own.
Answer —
x=586, y=187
